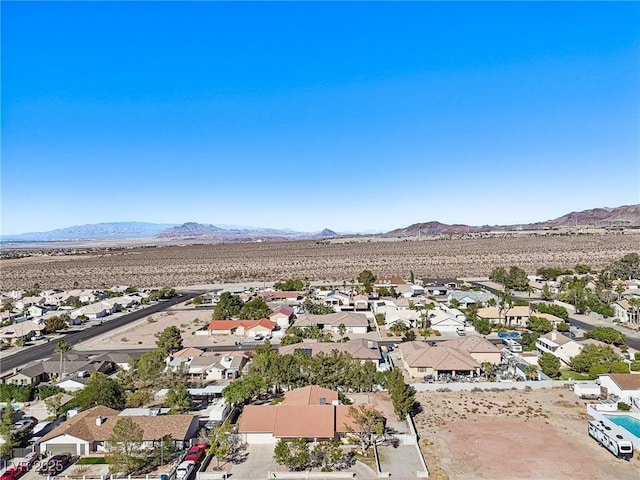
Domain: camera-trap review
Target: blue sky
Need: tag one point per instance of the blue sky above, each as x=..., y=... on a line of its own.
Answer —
x=351, y=116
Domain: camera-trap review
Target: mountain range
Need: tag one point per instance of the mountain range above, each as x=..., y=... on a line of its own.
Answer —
x=626, y=215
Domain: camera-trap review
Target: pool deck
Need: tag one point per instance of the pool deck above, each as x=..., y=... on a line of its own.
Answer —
x=604, y=416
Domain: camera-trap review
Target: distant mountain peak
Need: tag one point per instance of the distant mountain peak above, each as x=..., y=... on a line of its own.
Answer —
x=327, y=233
x=190, y=229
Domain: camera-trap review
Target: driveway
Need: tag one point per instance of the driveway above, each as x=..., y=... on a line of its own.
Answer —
x=402, y=461
x=258, y=462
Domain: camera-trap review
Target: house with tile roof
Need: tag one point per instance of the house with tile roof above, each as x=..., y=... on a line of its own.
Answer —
x=625, y=386
x=353, y=322
x=241, y=328
x=420, y=359
x=515, y=316
x=311, y=412
x=358, y=348
x=282, y=317
x=89, y=431
x=481, y=349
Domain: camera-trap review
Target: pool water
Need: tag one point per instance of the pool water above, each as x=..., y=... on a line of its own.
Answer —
x=632, y=425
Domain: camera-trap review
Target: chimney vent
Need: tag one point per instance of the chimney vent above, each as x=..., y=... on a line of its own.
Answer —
x=100, y=420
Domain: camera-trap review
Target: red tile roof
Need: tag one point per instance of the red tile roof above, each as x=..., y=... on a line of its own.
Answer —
x=247, y=324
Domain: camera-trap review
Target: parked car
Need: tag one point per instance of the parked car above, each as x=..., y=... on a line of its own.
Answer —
x=55, y=464
x=13, y=472
x=185, y=469
x=35, y=338
x=195, y=454
x=29, y=460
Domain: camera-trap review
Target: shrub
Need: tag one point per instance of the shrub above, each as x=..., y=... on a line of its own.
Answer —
x=635, y=366
x=623, y=406
x=636, y=356
x=599, y=369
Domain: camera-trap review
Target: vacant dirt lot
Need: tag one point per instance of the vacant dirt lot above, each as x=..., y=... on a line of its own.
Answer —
x=541, y=434
x=320, y=261
x=142, y=334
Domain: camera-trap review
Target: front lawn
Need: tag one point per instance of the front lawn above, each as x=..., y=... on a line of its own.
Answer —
x=571, y=375
x=91, y=461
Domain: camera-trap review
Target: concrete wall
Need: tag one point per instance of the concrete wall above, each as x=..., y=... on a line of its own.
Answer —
x=305, y=475
x=468, y=386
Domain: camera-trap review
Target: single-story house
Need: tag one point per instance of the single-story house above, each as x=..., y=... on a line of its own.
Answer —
x=73, y=384
x=31, y=375
x=558, y=345
x=625, y=386
x=20, y=331
x=467, y=298
x=40, y=411
x=311, y=412
x=282, y=317
x=360, y=302
x=353, y=322
x=89, y=431
x=94, y=310
x=516, y=316
x=445, y=321
x=359, y=349
x=242, y=328
x=481, y=349
x=285, y=297
x=420, y=359
x=389, y=282
x=410, y=318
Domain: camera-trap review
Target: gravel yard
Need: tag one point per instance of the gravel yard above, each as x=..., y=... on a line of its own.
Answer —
x=538, y=434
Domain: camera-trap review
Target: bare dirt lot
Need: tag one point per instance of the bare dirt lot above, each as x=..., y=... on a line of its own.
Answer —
x=332, y=261
x=540, y=434
x=142, y=334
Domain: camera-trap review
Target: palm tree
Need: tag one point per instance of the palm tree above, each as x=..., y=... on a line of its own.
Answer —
x=634, y=303
x=531, y=372
x=62, y=348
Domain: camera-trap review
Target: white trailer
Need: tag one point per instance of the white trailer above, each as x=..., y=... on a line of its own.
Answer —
x=587, y=390
x=616, y=443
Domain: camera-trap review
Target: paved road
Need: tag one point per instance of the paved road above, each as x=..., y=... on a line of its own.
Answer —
x=45, y=350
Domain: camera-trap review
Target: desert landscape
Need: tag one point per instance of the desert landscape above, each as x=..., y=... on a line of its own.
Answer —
x=322, y=260
x=530, y=434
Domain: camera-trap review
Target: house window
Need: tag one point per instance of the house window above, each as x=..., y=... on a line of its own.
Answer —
x=422, y=369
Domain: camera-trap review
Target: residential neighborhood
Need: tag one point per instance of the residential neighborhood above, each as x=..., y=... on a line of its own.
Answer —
x=259, y=369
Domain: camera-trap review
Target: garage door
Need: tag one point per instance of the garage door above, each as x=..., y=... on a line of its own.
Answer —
x=56, y=448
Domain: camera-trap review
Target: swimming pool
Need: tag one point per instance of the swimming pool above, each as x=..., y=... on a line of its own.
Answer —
x=632, y=425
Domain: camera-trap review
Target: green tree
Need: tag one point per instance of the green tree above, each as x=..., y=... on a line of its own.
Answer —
x=412, y=278
x=169, y=340
x=483, y=326
x=549, y=364
x=410, y=336
x=101, y=390
x=539, y=325
x=398, y=328
x=255, y=309
x=62, y=347
x=562, y=327
x=178, y=399
x=582, y=268
x=628, y=267
x=402, y=395
x=223, y=445
x=139, y=398
x=594, y=355
x=197, y=300
x=531, y=372
x=291, y=285
x=607, y=335
x=317, y=308
x=546, y=292
x=552, y=309
x=6, y=431
x=242, y=390
x=370, y=423
x=328, y=454
x=53, y=404
x=342, y=330
x=366, y=277
x=125, y=446
x=54, y=324
x=227, y=307
x=45, y=391
x=293, y=454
